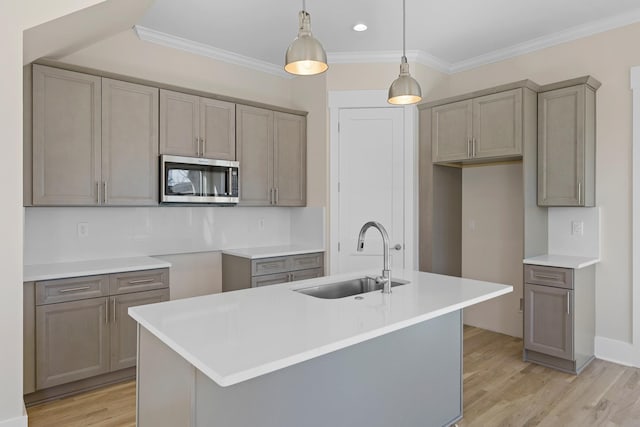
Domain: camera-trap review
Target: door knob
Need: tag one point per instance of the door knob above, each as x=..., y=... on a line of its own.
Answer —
x=398, y=247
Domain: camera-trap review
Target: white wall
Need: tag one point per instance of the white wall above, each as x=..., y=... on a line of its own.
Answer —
x=492, y=242
x=11, y=214
x=562, y=240
x=51, y=233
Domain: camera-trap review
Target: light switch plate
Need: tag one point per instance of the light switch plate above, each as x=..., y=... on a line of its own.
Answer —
x=83, y=229
x=577, y=228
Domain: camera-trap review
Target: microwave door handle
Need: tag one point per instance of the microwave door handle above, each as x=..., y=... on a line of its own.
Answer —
x=229, y=182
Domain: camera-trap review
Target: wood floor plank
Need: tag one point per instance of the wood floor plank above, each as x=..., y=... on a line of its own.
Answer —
x=500, y=390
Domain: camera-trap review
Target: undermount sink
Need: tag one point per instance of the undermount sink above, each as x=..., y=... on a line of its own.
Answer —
x=347, y=288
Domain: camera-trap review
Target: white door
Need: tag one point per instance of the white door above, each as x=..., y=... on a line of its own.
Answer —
x=371, y=158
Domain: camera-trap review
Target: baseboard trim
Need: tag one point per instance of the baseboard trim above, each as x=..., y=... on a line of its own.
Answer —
x=20, y=421
x=620, y=352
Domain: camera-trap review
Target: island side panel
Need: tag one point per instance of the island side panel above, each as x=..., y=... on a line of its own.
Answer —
x=166, y=385
x=411, y=377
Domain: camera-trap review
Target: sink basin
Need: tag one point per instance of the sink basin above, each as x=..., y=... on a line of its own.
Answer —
x=347, y=288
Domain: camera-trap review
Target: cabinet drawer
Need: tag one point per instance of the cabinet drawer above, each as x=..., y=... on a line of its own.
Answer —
x=549, y=276
x=306, y=261
x=263, y=266
x=77, y=288
x=137, y=281
x=269, y=279
x=307, y=274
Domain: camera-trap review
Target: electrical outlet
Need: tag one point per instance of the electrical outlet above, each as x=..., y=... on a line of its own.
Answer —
x=577, y=228
x=83, y=229
x=261, y=223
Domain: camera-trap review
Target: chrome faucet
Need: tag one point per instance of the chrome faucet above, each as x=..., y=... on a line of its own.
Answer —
x=386, y=269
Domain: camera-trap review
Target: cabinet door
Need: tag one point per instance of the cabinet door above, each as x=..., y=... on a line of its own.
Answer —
x=66, y=137
x=290, y=159
x=129, y=143
x=255, y=154
x=124, y=328
x=72, y=341
x=497, y=125
x=179, y=123
x=218, y=129
x=561, y=147
x=548, y=320
x=451, y=131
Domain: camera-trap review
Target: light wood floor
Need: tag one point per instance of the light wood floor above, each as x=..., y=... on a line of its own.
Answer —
x=499, y=390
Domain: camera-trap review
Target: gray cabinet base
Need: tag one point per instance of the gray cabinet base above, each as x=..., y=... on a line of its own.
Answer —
x=564, y=365
x=411, y=377
x=81, y=386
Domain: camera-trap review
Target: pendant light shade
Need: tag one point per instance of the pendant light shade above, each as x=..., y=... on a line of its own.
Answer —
x=305, y=55
x=405, y=89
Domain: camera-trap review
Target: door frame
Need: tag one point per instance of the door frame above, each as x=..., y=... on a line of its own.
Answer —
x=339, y=100
x=634, y=358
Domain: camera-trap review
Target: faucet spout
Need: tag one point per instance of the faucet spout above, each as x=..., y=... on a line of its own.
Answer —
x=386, y=269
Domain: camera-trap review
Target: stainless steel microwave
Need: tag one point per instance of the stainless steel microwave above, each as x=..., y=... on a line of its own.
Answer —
x=198, y=180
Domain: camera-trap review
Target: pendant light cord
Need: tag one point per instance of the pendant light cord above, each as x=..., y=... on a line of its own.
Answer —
x=304, y=6
x=404, y=28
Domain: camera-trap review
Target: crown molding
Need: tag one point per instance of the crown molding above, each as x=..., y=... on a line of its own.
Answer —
x=550, y=40
x=168, y=40
x=388, y=56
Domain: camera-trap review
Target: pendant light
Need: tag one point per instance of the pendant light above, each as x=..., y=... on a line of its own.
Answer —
x=405, y=89
x=305, y=55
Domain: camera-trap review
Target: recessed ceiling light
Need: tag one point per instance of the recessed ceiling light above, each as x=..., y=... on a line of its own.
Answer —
x=359, y=27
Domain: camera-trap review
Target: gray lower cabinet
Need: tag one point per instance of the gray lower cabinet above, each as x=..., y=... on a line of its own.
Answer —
x=95, y=140
x=196, y=126
x=559, y=316
x=485, y=127
x=242, y=273
x=79, y=328
x=272, y=151
x=567, y=145
x=72, y=341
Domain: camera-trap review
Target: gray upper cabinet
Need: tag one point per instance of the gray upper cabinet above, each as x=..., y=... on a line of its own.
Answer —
x=290, y=159
x=197, y=127
x=179, y=123
x=566, y=146
x=497, y=125
x=255, y=153
x=485, y=127
x=66, y=137
x=272, y=151
x=218, y=129
x=129, y=143
x=451, y=131
x=95, y=140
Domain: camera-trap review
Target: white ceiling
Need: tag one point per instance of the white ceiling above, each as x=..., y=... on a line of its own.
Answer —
x=449, y=34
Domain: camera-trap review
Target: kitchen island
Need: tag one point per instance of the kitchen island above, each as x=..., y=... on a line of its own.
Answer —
x=273, y=356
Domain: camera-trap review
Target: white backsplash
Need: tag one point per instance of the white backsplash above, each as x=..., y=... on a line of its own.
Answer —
x=562, y=241
x=51, y=234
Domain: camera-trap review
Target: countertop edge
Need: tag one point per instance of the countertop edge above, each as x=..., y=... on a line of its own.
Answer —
x=228, y=380
x=277, y=253
x=567, y=264
x=128, y=265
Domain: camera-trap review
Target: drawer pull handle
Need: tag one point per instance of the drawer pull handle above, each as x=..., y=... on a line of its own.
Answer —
x=82, y=288
x=545, y=276
x=138, y=282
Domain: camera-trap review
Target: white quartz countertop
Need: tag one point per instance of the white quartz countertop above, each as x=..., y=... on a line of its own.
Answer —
x=565, y=261
x=272, y=251
x=61, y=270
x=235, y=336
